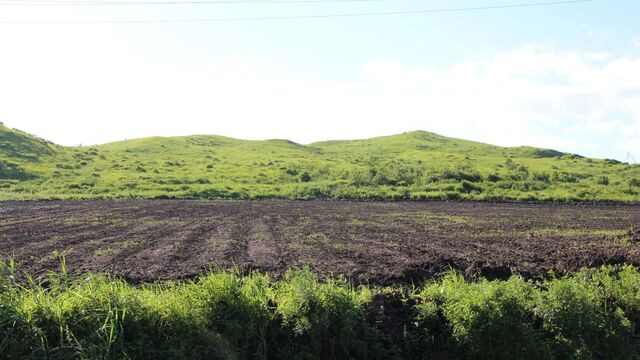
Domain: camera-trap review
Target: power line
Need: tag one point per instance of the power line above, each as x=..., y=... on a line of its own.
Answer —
x=188, y=2
x=299, y=17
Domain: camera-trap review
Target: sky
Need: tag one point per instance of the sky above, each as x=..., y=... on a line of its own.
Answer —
x=563, y=76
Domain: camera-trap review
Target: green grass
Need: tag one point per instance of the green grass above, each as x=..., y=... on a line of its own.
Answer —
x=413, y=165
x=593, y=314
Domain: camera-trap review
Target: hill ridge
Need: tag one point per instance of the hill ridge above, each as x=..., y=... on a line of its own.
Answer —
x=421, y=133
x=409, y=166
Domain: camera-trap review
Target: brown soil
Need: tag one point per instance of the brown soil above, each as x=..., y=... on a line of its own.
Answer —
x=371, y=242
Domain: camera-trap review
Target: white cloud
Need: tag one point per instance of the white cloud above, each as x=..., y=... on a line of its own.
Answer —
x=531, y=95
x=600, y=36
x=93, y=89
x=598, y=56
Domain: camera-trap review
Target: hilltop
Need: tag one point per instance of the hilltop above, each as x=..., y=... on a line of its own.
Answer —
x=412, y=165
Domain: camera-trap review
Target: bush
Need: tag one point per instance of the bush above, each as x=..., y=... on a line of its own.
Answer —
x=13, y=171
x=386, y=174
x=305, y=177
x=590, y=315
x=541, y=176
x=459, y=173
x=238, y=308
x=484, y=320
x=467, y=187
x=583, y=323
x=564, y=177
x=326, y=320
x=602, y=180
x=219, y=316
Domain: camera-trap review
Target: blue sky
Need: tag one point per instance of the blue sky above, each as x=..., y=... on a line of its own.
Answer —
x=563, y=76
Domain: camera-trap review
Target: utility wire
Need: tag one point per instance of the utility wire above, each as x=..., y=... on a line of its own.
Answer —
x=172, y=2
x=298, y=17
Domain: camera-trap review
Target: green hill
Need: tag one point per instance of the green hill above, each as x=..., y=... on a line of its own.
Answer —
x=413, y=165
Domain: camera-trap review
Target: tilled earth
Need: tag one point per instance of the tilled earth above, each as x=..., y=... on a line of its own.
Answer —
x=375, y=242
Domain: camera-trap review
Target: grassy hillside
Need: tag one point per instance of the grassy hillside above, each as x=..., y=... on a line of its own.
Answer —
x=413, y=165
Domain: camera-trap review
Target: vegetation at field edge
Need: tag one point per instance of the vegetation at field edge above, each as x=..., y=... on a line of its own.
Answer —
x=411, y=166
x=593, y=314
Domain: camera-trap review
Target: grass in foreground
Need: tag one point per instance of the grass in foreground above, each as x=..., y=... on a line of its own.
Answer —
x=594, y=314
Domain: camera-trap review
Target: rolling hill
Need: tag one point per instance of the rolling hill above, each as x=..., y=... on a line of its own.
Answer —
x=412, y=165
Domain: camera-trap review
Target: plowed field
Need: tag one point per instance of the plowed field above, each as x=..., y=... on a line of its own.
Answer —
x=367, y=241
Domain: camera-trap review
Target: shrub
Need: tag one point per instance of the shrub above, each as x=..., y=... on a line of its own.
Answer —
x=10, y=170
x=305, y=177
x=582, y=322
x=326, y=320
x=238, y=308
x=590, y=315
x=218, y=316
x=460, y=173
x=467, y=187
x=541, y=176
x=602, y=180
x=484, y=320
x=547, y=153
x=564, y=177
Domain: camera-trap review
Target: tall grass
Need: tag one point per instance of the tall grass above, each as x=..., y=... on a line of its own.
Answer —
x=218, y=316
x=594, y=314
